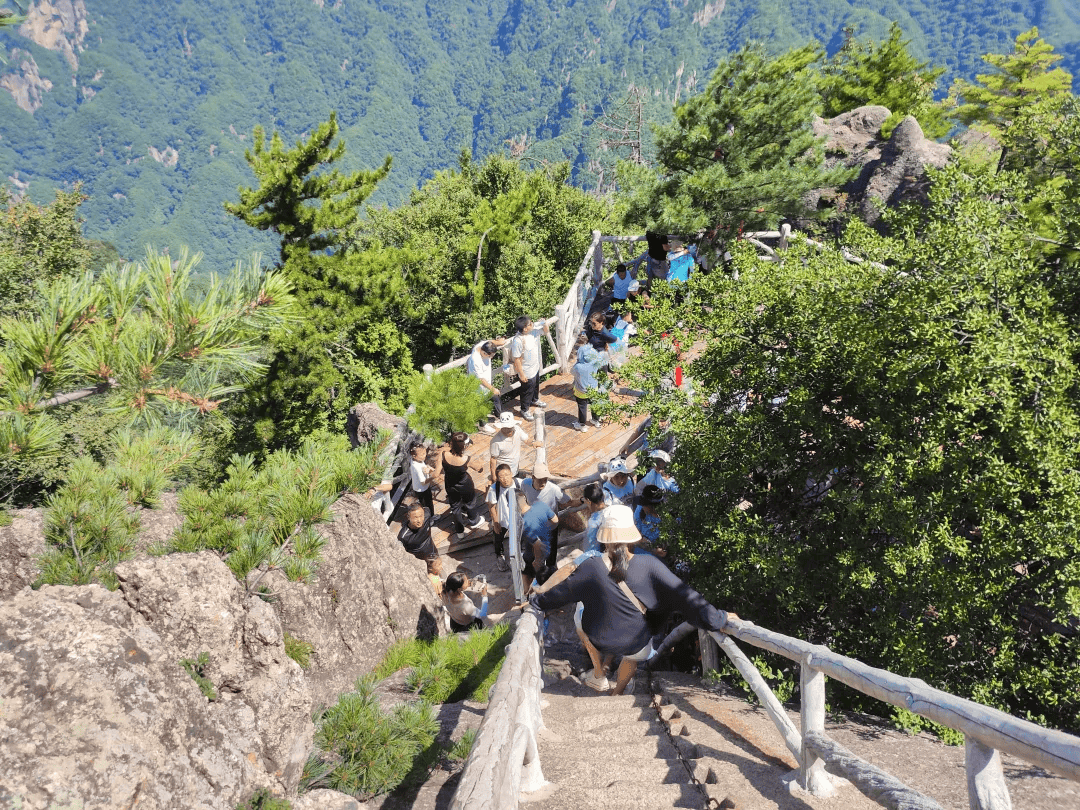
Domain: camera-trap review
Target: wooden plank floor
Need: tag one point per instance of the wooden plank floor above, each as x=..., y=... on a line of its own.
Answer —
x=571, y=453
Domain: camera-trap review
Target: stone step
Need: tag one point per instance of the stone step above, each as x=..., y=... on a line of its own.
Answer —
x=571, y=767
x=620, y=794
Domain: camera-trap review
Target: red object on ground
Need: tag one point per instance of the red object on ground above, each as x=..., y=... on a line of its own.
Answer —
x=678, y=376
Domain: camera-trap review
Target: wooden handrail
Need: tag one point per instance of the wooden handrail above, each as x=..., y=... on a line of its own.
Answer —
x=504, y=760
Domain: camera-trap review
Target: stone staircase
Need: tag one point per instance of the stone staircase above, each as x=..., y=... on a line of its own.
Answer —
x=610, y=753
x=674, y=748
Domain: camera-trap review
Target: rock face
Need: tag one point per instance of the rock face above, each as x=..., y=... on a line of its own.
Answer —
x=196, y=605
x=892, y=171
x=59, y=25
x=26, y=85
x=368, y=593
x=97, y=712
x=21, y=544
x=364, y=421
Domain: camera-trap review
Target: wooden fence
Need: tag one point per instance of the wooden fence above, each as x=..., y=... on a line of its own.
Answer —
x=504, y=761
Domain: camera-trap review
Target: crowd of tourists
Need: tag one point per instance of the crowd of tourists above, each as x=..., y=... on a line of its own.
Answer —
x=622, y=580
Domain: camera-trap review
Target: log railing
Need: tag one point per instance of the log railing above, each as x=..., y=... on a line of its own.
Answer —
x=987, y=732
x=504, y=761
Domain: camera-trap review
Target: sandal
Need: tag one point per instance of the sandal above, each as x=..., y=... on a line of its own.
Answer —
x=599, y=684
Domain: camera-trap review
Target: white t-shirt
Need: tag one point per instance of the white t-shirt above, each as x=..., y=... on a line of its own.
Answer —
x=419, y=476
x=507, y=449
x=503, y=507
x=551, y=494
x=527, y=347
x=479, y=366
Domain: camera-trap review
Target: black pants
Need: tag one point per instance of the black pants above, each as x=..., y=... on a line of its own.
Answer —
x=530, y=390
x=582, y=409
x=427, y=500
x=475, y=624
x=462, y=510
x=496, y=405
x=498, y=538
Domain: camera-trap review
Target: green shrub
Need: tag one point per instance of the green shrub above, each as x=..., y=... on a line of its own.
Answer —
x=364, y=751
x=452, y=668
x=5, y=517
x=263, y=799
x=268, y=516
x=450, y=401
x=461, y=749
x=196, y=668
x=298, y=650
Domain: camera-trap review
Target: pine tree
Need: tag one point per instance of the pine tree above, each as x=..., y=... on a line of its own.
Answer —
x=887, y=74
x=741, y=153
x=1023, y=81
x=347, y=348
x=139, y=336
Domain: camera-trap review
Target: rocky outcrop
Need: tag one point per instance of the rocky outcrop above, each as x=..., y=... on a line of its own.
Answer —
x=368, y=593
x=59, y=25
x=21, y=544
x=97, y=712
x=196, y=606
x=26, y=85
x=891, y=171
x=364, y=421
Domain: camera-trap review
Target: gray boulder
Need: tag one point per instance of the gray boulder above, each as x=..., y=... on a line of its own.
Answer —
x=368, y=593
x=196, y=605
x=98, y=713
x=21, y=544
x=891, y=171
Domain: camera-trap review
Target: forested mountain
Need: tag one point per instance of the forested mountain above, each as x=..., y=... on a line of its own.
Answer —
x=151, y=108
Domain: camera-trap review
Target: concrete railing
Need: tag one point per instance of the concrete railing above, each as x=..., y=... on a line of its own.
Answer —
x=504, y=761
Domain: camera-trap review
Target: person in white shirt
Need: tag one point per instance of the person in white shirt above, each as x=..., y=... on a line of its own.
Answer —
x=505, y=447
x=479, y=366
x=540, y=488
x=422, y=476
x=525, y=355
x=498, y=501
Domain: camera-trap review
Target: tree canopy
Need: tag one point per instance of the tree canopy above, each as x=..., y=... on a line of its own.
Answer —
x=883, y=456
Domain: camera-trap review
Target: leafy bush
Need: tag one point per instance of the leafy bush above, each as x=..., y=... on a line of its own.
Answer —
x=450, y=401
x=268, y=516
x=364, y=751
x=461, y=749
x=196, y=668
x=298, y=650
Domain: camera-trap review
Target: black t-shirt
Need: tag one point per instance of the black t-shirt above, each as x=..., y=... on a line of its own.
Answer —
x=418, y=542
x=611, y=621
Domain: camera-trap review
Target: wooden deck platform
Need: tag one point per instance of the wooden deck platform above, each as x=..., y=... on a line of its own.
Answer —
x=571, y=454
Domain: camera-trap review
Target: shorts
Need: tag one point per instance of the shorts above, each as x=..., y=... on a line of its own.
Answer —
x=644, y=654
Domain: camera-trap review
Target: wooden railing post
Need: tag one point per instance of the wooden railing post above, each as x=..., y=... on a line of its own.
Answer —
x=985, y=779
x=598, y=259
x=812, y=774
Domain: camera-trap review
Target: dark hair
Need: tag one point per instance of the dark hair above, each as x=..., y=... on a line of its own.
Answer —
x=502, y=467
x=414, y=506
x=596, y=317
x=454, y=582
x=544, y=572
x=457, y=442
x=652, y=495
x=489, y=348
x=594, y=492
x=620, y=561
x=620, y=266
x=521, y=322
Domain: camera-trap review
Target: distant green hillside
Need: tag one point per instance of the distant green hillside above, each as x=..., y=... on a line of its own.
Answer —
x=151, y=107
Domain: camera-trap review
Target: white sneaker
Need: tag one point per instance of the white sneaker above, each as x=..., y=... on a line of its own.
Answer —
x=480, y=526
x=489, y=429
x=527, y=415
x=540, y=403
x=579, y=426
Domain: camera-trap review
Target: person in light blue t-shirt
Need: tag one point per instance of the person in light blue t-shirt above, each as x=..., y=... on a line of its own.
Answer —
x=680, y=261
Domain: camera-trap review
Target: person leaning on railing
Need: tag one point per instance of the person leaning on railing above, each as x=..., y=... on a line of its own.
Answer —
x=625, y=597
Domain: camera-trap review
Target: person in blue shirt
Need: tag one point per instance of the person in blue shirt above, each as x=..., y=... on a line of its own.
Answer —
x=658, y=476
x=538, y=537
x=680, y=261
x=619, y=487
x=589, y=362
x=647, y=519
